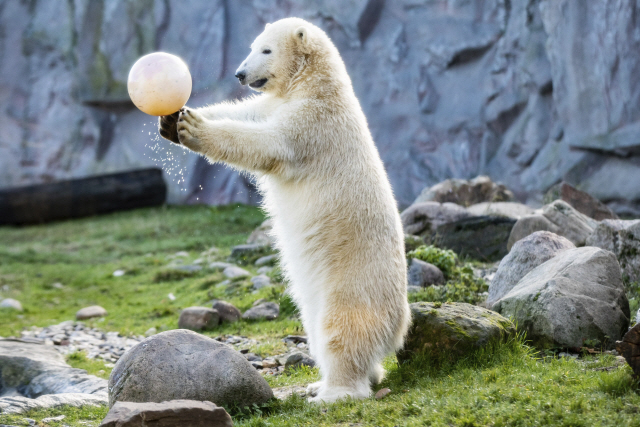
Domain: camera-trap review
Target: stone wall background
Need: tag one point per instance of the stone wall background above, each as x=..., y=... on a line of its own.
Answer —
x=528, y=92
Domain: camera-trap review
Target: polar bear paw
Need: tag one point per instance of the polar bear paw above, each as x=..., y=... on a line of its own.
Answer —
x=314, y=388
x=190, y=128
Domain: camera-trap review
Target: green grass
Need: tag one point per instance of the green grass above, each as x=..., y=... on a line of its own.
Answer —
x=505, y=385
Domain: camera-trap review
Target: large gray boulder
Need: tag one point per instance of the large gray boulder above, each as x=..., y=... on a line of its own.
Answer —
x=182, y=364
x=576, y=296
x=483, y=238
x=623, y=239
x=557, y=217
x=451, y=330
x=582, y=201
x=424, y=218
x=35, y=376
x=525, y=255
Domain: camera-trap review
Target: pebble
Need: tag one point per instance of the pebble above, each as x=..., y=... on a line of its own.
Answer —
x=265, y=270
x=266, y=260
x=171, y=296
x=227, y=311
x=10, y=303
x=57, y=285
x=219, y=265
x=235, y=272
x=118, y=273
x=382, y=393
x=260, y=282
x=50, y=419
x=150, y=331
x=90, y=312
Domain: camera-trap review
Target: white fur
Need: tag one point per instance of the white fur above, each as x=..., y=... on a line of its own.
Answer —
x=335, y=219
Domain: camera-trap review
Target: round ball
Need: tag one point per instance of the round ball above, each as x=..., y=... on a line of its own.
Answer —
x=159, y=84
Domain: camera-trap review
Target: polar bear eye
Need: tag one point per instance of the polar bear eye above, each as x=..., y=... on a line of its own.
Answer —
x=266, y=51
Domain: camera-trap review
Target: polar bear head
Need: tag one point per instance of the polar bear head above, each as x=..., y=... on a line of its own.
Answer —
x=280, y=53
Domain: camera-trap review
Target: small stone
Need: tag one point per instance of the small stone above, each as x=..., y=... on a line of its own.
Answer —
x=247, y=254
x=51, y=419
x=264, y=311
x=424, y=274
x=266, y=260
x=181, y=254
x=198, y=318
x=57, y=285
x=219, y=265
x=171, y=296
x=265, y=270
x=260, y=281
x=30, y=421
x=188, y=268
x=382, y=393
x=176, y=413
x=118, y=273
x=10, y=303
x=262, y=235
x=150, y=331
x=295, y=339
x=227, y=311
x=269, y=363
x=235, y=272
x=296, y=360
x=413, y=289
x=256, y=364
x=90, y=312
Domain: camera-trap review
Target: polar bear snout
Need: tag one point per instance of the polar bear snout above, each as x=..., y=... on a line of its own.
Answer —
x=241, y=76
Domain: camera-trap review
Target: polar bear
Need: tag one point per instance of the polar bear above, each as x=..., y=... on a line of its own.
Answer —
x=335, y=219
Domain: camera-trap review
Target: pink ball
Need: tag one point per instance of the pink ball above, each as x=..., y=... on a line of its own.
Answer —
x=159, y=83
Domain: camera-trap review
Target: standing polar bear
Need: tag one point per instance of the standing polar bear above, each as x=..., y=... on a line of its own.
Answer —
x=335, y=219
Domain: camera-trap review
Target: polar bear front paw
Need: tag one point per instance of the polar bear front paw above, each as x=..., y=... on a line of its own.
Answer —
x=190, y=128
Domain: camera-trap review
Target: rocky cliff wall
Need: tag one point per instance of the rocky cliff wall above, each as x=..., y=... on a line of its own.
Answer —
x=525, y=91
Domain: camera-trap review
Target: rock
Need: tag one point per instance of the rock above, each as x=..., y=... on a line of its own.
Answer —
x=174, y=413
x=296, y=339
x=264, y=270
x=217, y=266
x=18, y=405
x=182, y=364
x=424, y=274
x=150, y=331
x=248, y=254
x=262, y=235
x=382, y=393
x=297, y=360
x=268, y=260
x=260, y=281
x=412, y=242
x=571, y=224
x=263, y=311
x=528, y=225
x=190, y=268
x=119, y=273
x=525, y=255
x=423, y=219
x=466, y=192
x=90, y=312
x=198, y=318
x=235, y=272
x=559, y=218
x=577, y=295
x=44, y=379
x=227, y=311
x=581, y=201
x=413, y=289
x=623, y=239
x=507, y=209
x=483, y=238
x=451, y=330
x=629, y=348
x=10, y=303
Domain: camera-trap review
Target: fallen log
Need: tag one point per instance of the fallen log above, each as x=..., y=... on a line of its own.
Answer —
x=82, y=197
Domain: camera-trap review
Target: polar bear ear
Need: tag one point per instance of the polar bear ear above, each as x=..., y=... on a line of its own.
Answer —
x=301, y=36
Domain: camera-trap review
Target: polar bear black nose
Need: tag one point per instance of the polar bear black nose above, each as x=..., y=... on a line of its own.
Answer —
x=240, y=75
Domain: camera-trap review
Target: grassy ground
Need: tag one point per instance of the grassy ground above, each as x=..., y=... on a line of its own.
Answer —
x=506, y=385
